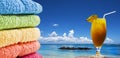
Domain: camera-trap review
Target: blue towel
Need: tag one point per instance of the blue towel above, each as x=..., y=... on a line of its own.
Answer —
x=19, y=7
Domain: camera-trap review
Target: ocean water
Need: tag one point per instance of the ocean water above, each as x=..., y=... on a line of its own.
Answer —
x=52, y=51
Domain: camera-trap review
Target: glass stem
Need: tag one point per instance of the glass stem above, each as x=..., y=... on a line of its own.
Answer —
x=98, y=51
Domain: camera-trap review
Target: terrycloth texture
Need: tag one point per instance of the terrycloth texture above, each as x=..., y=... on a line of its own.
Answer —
x=18, y=21
x=9, y=37
x=19, y=7
x=19, y=49
x=32, y=55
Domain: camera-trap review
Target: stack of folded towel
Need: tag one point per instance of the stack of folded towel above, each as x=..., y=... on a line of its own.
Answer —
x=18, y=32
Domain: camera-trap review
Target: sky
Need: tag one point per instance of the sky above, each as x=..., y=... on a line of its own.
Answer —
x=63, y=21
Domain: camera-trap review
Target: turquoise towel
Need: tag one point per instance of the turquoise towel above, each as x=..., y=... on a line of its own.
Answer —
x=19, y=7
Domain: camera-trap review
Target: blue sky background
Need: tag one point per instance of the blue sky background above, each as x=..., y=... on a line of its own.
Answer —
x=71, y=14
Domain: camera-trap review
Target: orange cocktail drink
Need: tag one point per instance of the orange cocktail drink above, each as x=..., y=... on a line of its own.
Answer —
x=98, y=30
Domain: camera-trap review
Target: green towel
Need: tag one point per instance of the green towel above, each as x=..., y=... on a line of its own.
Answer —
x=18, y=21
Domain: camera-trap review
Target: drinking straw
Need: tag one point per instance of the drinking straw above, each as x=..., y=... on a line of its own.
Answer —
x=108, y=13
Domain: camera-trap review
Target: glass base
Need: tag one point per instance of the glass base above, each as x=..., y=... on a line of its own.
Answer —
x=98, y=56
x=98, y=51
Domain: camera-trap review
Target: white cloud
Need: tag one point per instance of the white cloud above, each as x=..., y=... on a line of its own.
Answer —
x=70, y=39
x=71, y=34
x=53, y=34
x=108, y=40
x=85, y=40
x=55, y=25
x=64, y=35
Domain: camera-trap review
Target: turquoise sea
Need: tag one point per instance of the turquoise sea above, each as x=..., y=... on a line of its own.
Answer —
x=52, y=51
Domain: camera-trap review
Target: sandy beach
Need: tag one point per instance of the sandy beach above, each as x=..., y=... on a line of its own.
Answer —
x=79, y=57
x=58, y=56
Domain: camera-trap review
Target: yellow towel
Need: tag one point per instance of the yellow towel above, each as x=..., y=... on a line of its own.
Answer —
x=8, y=37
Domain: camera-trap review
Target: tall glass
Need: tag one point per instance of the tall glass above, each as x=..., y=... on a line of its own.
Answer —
x=98, y=31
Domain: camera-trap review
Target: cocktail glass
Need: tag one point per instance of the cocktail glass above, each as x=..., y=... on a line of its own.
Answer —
x=98, y=31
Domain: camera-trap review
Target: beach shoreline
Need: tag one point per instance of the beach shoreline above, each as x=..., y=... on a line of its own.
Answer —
x=79, y=57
